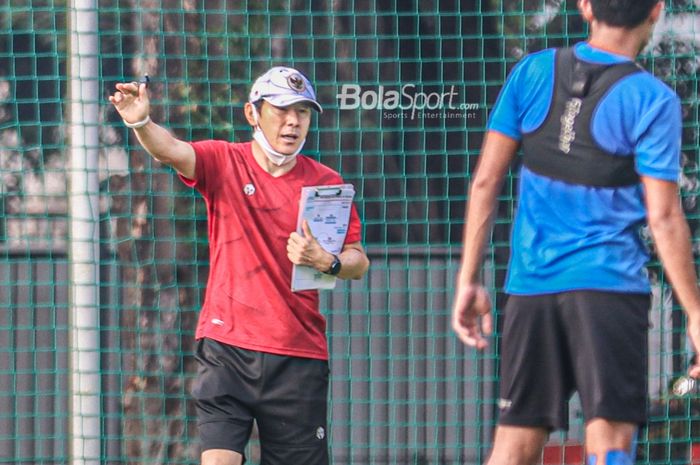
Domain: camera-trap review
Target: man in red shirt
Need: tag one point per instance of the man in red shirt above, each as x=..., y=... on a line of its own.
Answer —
x=261, y=348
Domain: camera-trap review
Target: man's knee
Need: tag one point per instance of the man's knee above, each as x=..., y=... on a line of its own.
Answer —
x=610, y=442
x=518, y=445
x=221, y=457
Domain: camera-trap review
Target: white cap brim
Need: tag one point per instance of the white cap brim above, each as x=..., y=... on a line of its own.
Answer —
x=287, y=100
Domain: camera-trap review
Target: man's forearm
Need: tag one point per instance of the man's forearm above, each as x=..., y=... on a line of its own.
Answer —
x=477, y=229
x=165, y=148
x=496, y=155
x=672, y=239
x=156, y=140
x=354, y=264
x=671, y=234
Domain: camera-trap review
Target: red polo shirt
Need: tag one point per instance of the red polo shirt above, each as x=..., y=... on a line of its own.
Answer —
x=248, y=302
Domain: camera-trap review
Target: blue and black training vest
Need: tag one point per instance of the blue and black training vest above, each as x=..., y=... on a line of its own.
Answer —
x=562, y=147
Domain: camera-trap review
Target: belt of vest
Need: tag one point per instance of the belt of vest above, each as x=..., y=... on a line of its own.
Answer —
x=562, y=147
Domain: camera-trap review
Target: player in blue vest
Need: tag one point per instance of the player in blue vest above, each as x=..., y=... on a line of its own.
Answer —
x=601, y=158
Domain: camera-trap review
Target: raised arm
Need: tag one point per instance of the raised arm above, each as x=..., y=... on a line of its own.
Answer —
x=132, y=102
x=671, y=234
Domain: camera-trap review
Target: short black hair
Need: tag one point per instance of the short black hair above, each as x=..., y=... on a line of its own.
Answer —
x=622, y=13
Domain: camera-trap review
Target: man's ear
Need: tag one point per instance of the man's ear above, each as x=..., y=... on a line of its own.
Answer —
x=656, y=12
x=584, y=6
x=250, y=111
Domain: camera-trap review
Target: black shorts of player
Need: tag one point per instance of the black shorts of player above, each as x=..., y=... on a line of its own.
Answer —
x=586, y=341
x=286, y=396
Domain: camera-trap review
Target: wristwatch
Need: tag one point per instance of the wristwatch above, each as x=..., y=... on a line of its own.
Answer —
x=335, y=267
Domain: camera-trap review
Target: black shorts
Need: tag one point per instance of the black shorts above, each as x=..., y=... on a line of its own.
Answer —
x=586, y=341
x=287, y=397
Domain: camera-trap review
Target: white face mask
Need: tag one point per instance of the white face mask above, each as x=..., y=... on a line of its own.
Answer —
x=275, y=157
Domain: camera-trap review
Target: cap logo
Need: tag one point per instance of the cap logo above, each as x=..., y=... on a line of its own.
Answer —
x=296, y=83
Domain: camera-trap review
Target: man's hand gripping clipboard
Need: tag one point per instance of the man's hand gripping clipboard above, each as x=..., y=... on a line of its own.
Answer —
x=327, y=211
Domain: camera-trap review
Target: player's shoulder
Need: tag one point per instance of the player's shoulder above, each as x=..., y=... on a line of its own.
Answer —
x=647, y=83
x=643, y=93
x=641, y=83
x=534, y=67
x=216, y=147
x=322, y=174
x=538, y=60
x=538, y=56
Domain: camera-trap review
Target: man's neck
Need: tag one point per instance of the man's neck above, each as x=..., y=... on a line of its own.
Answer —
x=617, y=40
x=265, y=163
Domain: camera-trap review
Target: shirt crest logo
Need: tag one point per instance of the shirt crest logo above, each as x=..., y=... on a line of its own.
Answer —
x=249, y=189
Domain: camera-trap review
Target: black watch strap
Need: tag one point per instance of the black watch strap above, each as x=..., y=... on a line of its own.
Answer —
x=335, y=267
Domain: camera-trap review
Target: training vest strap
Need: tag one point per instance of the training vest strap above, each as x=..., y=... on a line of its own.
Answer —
x=562, y=147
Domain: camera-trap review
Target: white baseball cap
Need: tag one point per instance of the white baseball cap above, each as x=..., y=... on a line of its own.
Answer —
x=282, y=86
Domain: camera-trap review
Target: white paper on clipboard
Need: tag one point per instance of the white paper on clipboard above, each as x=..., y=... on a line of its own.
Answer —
x=327, y=210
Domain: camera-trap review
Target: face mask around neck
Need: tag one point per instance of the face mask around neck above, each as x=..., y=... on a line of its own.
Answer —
x=275, y=157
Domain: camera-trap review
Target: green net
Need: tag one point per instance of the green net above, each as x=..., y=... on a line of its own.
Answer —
x=403, y=389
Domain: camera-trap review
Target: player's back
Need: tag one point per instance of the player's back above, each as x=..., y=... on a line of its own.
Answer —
x=570, y=236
